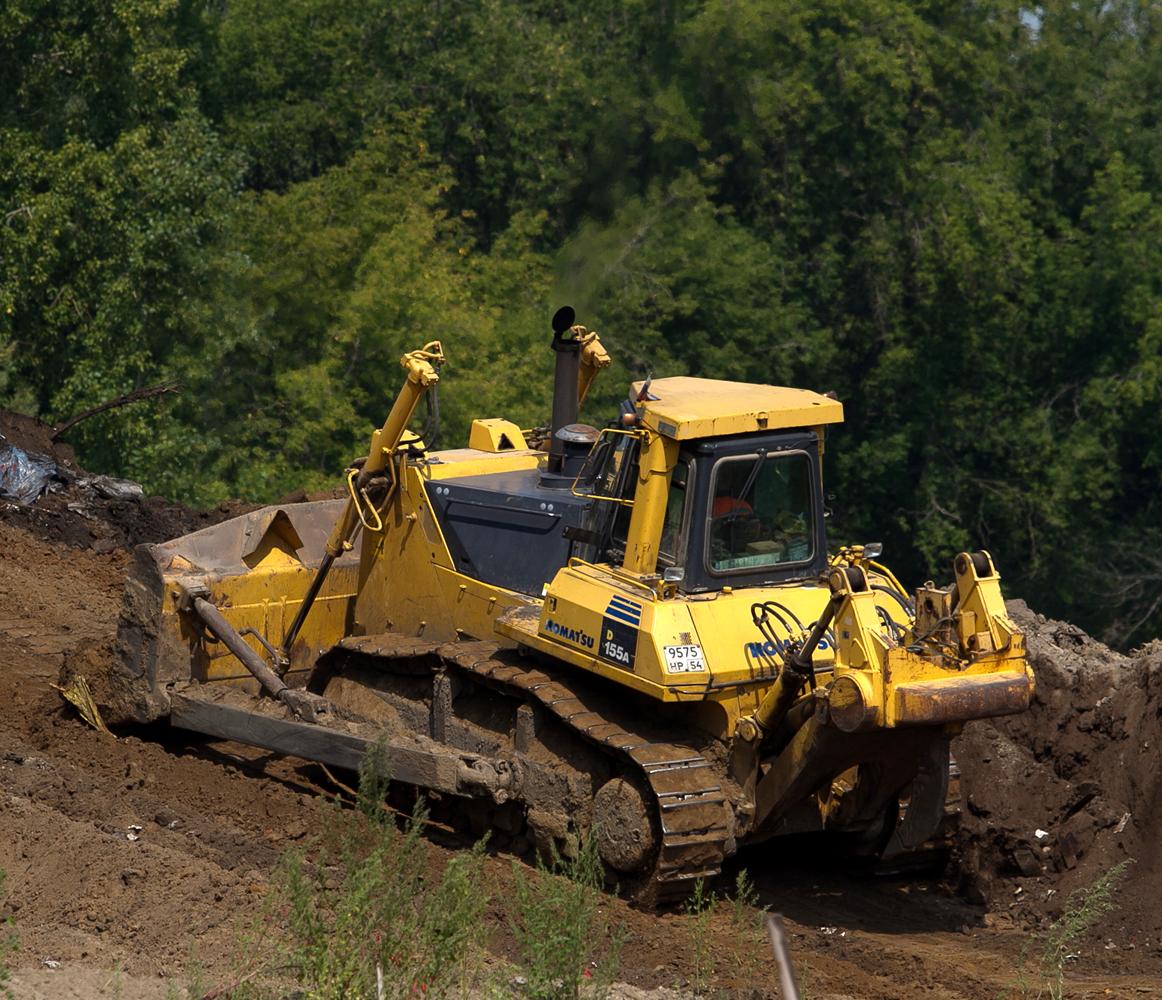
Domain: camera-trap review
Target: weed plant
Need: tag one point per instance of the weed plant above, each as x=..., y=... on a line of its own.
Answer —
x=700, y=908
x=8, y=945
x=1085, y=906
x=362, y=922
x=744, y=901
x=748, y=946
x=1083, y=909
x=568, y=948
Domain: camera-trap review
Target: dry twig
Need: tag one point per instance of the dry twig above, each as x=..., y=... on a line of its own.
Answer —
x=136, y=396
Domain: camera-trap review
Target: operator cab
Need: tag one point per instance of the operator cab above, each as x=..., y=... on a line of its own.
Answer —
x=741, y=511
x=746, y=512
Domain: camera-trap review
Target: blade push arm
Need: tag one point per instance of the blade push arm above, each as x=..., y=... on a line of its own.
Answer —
x=421, y=367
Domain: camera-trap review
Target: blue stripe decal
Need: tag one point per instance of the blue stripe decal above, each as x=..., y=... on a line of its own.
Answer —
x=618, y=599
x=624, y=605
x=629, y=607
x=621, y=616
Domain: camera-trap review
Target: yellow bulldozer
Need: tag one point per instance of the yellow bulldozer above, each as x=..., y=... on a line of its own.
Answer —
x=635, y=633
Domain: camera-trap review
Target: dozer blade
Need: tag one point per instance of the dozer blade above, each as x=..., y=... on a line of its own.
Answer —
x=255, y=570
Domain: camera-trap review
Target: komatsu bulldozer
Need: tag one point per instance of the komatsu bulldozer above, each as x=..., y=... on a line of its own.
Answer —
x=634, y=633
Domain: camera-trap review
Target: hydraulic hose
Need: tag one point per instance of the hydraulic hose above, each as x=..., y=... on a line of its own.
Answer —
x=797, y=669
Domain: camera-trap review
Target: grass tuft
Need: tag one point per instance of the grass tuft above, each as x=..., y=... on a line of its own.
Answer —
x=744, y=901
x=1085, y=906
x=568, y=947
x=360, y=919
x=1083, y=909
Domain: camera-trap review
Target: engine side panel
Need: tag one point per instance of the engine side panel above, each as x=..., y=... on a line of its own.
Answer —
x=507, y=529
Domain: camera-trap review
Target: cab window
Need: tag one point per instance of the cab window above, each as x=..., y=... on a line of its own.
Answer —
x=760, y=513
x=671, y=548
x=620, y=481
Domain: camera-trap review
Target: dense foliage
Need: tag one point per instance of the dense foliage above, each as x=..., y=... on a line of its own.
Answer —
x=947, y=212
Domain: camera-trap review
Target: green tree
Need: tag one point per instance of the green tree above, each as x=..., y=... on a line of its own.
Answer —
x=330, y=283
x=114, y=187
x=946, y=213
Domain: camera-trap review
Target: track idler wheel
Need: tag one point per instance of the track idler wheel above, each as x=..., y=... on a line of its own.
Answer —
x=622, y=821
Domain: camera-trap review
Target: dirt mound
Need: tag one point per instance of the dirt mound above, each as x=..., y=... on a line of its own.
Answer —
x=34, y=435
x=92, y=511
x=1056, y=797
x=80, y=517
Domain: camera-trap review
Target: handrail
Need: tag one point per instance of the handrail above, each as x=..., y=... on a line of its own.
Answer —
x=355, y=492
x=575, y=562
x=640, y=435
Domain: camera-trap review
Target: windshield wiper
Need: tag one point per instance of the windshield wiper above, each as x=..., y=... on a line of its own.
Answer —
x=754, y=474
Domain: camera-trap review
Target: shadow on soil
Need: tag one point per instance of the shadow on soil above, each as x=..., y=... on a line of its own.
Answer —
x=812, y=882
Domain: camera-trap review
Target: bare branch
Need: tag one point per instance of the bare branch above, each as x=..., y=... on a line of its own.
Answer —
x=136, y=396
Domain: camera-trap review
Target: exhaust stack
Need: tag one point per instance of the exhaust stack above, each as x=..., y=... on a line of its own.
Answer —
x=566, y=405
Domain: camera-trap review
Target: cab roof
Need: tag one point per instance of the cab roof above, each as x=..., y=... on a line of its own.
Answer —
x=704, y=407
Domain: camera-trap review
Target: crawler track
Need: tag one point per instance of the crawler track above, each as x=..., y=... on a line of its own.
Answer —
x=691, y=812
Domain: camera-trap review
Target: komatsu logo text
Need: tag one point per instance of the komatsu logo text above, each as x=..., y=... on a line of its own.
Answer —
x=757, y=649
x=574, y=635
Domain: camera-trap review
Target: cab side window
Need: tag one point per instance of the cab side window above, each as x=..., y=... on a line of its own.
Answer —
x=672, y=548
x=761, y=513
x=621, y=482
